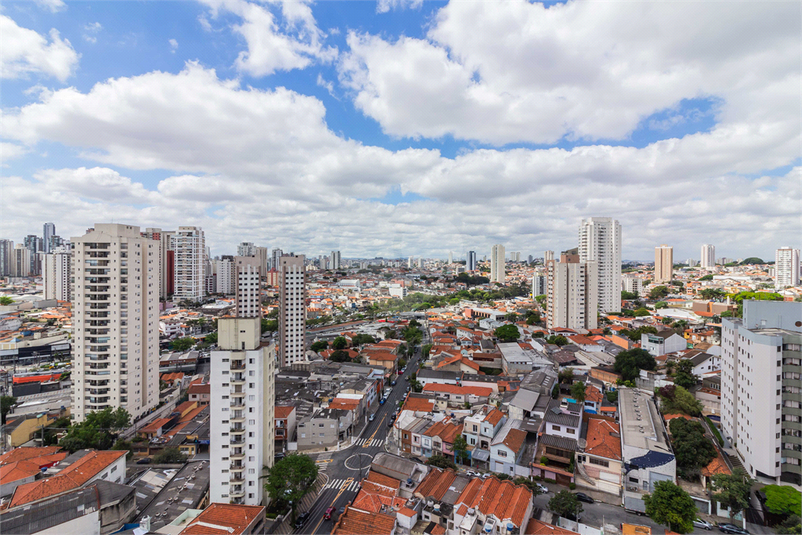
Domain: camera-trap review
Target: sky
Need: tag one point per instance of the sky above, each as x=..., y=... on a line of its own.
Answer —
x=403, y=128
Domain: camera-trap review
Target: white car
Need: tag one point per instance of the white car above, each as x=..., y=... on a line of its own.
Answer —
x=704, y=524
x=543, y=489
x=471, y=473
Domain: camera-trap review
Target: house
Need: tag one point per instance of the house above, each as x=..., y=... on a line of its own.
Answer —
x=22, y=429
x=458, y=363
x=325, y=429
x=599, y=464
x=662, y=342
x=480, y=428
x=285, y=416
x=382, y=358
x=427, y=376
x=227, y=519
x=357, y=522
x=25, y=465
x=593, y=399
x=454, y=395
x=507, y=448
x=200, y=392
x=536, y=527
x=520, y=359
x=703, y=362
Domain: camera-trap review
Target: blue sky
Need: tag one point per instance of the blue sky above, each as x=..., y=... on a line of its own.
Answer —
x=409, y=128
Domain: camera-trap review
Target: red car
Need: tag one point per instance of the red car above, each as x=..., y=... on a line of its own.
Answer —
x=327, y=514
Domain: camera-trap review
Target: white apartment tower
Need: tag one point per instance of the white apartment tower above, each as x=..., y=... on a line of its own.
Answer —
x=56, y=274
x=600, y=242
x=190, y=261
x=225, y=272
x=708, y=259
x=497, y=257
x=663, y=263
x=539, y=285
x=786, y=268
x=20, y=261
x=572, y=293
x=292, y=310
x=166, y=252
x=470, y=263
x=6, y=252
x=115, y=321
x=242, y=407
x=761, y=388
x=632, y=284
x=335, y=260
x=48, y=231
x=275, y=258
x=548, y=255
x=247, y=272
x=246, y=248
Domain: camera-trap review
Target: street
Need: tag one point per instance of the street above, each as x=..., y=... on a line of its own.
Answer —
x=346, y=468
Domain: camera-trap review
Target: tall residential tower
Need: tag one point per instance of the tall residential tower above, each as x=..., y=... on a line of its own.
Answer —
x=190, y=263
x=663, y=263
x=708, y=260
x=497, y=258
x=786, y=268
x=600, y=242
x=572, y=293
x=292, y=310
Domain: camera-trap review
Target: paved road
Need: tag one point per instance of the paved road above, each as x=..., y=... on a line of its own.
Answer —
x=346, y=468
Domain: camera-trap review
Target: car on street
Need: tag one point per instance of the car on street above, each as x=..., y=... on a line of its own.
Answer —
x=341, y=510
x=393, y=383
x=471, y=473
x=543, y=489
x=390, y=422
x=382, y=400
x=146, y=460
x=327, y=514
x=582, y=497
x=301, y=520
x=703, y=524
x=732, y=528
x=372, y=417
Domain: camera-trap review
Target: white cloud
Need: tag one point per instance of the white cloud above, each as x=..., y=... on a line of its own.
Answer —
x=24, y=52
x=54, y=6
x=322, y=82
x=292, y=41
x=590, y=70
x=173, y=45
x=383, y=6
x=91, y=30
x=9, y=151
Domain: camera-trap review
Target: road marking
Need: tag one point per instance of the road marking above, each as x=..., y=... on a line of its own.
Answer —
x=324, y=460
x=337, y=497
x=375, y=431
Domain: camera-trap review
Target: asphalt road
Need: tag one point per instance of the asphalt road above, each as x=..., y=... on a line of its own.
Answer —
x=346, y=468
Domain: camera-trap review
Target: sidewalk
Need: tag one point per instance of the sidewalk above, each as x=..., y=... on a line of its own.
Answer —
x=306, y=503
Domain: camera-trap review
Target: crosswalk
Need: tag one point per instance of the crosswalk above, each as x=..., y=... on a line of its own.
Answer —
x=368, y=442
x=344, y=484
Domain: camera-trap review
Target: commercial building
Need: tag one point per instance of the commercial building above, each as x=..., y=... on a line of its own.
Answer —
x=470, y=263
x=497, y=257
x=663, y=263
x=600, y=242
x=572, y=293
x=190, y=260
x=708, y=258
x=48, y=232
x=247, y=284
x=57, y=274
x=761, y=391
x=786, y=268
x=292, y=310
x=242, y=408
x=116, y=321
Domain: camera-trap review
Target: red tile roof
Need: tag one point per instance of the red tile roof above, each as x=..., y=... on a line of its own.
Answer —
x=354, y=522
x=155, y=425
x=494, y=416
x=502, y=499
x=381, y=479
x=21, y=454
x=224, y=519
x=436, y=483
x=601, y=440
x=536, y=527
x=515, y=439
x=593, y=394
x=418, y=404
x=284, y=411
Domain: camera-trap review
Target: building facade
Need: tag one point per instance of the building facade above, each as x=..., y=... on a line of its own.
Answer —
x=786, y=268
x=497, y=258
x=292, y=310
x=190, y=260
x=48, y=232
x=572, y=293
x=470, y=263
x=663, y=263
x=761, y=388
x=166, y=252
x=246, y=248
x=57, y=274
x=632, y=284
x=6, y=254
x=248, y=282
x=242, y=409
x=20, y=261
x=600, y=242
x=335, y=260
x=225, y=276
x=539, y=285
x=708, y=259
x=115, y=321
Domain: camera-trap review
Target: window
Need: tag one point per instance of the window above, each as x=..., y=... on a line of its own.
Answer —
x=599, y=462
x=502, y=453
x=555, y=427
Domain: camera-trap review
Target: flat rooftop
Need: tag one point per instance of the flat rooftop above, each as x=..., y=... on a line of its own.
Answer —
x=641, y=424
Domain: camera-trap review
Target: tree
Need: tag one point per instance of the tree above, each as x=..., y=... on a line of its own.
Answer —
x=671, y=506
x=412, y=335
x=635, y=335
x=5, y=300
x=629, y=363
x=628, y=296
x=361, y=339
x=578, y=391
x=565, y=503
x=641, y=312
x=339, y=343
x=790, y=526
x=511, y=317
x=340, y=356
x=425, y=350
x=6, y=402
x=566, y=376
x=269, y=325
x=733, y=489
x=291, y=478
x=705, y=278
x=658, y=292
x=532, y=317
x=123, y=444
x=675, y=399
x=319, y=346
x=170, y=456
x=507, y=333
x=441, y=461
x=211, y=338
x=782, y=499
x=660, y=304
x=712, y=293
x=558, y=340
x=691, y=447
x=612, y=396
x=183, y=344
x=460, y=449
x=683, y=375
x=99, y=430
x=555, y=392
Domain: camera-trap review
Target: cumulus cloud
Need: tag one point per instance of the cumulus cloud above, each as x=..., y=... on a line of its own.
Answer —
x=582, y=70
x=90, y=32
x=25, y=52
x=173, y=45
x=277, y=40
x=384, y=6
x=54, y=6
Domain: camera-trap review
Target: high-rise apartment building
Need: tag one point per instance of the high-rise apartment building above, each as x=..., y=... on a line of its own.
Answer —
x=292, y=310
x=663, y=263
x=21, y=261
x=115, y=321
x=248, y=280
x=539, y=285
x=242, y=405
x=264, y=262
x=691, y=262
x=166, y=259
x=409, y=263
x=632, y=284
x=275, y=260
x=35, y=246
x=572, y=293
x=246, y=248
x=6, y=254
x=225, y=276
x=420, y=263
x=190, y=263
x=450, y=257
x=470, y=263
x=48, y=231
x=57, y=274
x=600, y=242
x=497, y=258
x=548, y=255
x=786, y=268
x=335, y=260
x=761, y=388
x=708, y=258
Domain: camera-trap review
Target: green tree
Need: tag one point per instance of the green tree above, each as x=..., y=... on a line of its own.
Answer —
x=211, y=338
x=558, y=340
x=269, y=325
x=6, y=300
x=641, y=312
x=566, y=376
x=691, y=447
x=361, y=339
x=671, y=506
x=340, y=355
x=290, y=479
x=6, y=402
x=658, y=292
x=628, y=296
x=782, y=499
x=507, y=333
x=99, y=430
x=532, y=317
x=441, y=461
x=733, y=489
x=122, y=444
x=790, y=526
x=183, y=344
x=612, y=396
x=512, y=317
x=565, y=504
x=555, y=391
x=412, y=335
x=635, y=335
x=675, y=399
x=320, y=345
x=460, y=449
x=170, y=456
x=683, y=375
x=660, y=304
x=578, y=391
x=629, y=363
x=712, y=293
x=705, y=278
x=425, y=351
x=339, y=343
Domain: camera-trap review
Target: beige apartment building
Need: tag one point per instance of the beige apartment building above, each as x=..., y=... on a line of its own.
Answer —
x=663, y=263
x=190, y=262
x=292, y=310
x=572, y=293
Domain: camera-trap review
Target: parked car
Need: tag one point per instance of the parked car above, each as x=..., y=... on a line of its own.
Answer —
x=543, y=489
x=582, y=497
x=393, y=383
x=382, y=400
x=704, y=524
x=732, y=528
x=341, y=510
x=301, y=520
x=390, y=422
x=327, y=514
x=471, y=473
x=146, y=460
x=372, y=417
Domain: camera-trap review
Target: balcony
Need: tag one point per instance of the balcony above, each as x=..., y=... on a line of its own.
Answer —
x=237, y=367
x=237, y=456
x=235, y=441
x=237, y=430
x=236, y=492
x=237, y=403
x=237, y=380
x=237, y=393
x=236, y=468
x=238, y=419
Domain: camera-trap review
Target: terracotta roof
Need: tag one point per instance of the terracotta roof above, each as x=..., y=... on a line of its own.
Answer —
x=593, y=394
x=436, y=483
x=515, y=439
x=536, y=527
x=494, y=416
x=381, y=356
x=354, y=522
x=418, y=404
x=601, y=440
x=155, y=425
x=367, y=501
x=224, y=519
x=199, y=388
x=482, y=391
x=284, y=411
x=19, y=470
x=21, y=454
x=406, y=511
x=381, y=479
x=669, y=417
x=438, y=530
x=716, y=466
x=344, y=404
x=502, y=499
